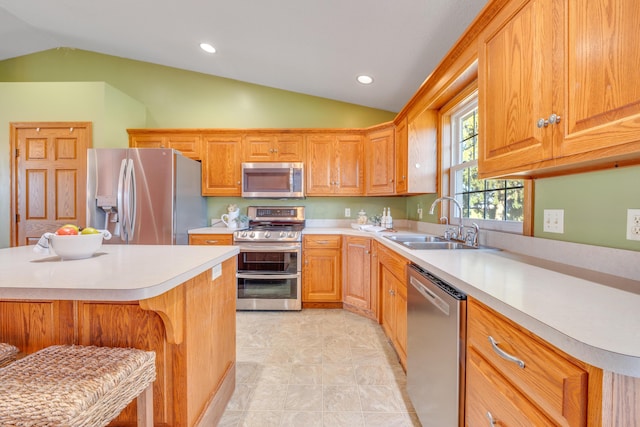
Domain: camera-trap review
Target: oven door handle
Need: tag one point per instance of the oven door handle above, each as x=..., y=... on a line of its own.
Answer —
x=266, y=276
x=268, y=248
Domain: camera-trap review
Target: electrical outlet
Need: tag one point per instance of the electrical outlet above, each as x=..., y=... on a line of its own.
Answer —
x=633, y=224
x=347, y=212
x=554, y=221
x=419, y=213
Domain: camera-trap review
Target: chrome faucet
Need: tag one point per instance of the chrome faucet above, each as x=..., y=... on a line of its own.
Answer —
x=449, y=233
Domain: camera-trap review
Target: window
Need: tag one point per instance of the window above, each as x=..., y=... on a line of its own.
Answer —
x=493, y=203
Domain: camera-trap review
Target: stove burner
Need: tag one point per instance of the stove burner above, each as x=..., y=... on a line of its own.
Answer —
x=273, y=224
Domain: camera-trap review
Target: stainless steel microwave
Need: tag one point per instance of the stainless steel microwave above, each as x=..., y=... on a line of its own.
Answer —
x=273, y=180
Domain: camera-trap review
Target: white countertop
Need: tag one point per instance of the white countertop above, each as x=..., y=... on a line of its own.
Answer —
x=114, y=273
x=587, y=319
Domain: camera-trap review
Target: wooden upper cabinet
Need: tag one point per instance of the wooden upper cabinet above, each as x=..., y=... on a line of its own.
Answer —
x=515, y=77
x=188, y=143
x=380, y=164
x=273, y=148
x=334, y=164
x=401, y=140
x=221, y=166
x=602, y=93
x=421, y=167
x=559, y=87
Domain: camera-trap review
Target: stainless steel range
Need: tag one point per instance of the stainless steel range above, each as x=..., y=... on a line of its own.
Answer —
x=270, y=259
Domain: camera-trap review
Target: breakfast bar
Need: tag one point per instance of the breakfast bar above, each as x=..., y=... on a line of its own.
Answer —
x=178, y=301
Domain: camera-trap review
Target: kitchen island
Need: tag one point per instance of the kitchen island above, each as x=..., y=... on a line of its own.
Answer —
x=178, y=301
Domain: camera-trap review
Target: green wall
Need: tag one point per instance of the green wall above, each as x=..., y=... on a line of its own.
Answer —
x=318, y=207
x=110, y=111
x=595, y=206
x=184, y=99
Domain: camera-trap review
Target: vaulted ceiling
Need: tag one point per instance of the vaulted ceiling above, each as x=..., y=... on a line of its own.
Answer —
x=311, y=47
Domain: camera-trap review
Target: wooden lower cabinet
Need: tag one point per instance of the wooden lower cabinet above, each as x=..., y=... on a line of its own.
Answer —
x=191, y=328
x=559, y=389
x=211, y=239
x=321, y=270
x=359, y=292
x=391, y=272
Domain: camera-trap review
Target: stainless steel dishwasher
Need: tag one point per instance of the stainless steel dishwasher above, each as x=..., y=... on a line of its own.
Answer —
x=436, y=335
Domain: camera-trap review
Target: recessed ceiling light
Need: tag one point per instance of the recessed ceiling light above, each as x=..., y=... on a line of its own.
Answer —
x=207, y=47
x=365, y=80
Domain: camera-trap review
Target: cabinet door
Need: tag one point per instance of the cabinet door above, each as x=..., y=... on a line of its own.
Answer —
x=422, y=153
x=514, y=87
x=321, y=276
x=148, y=141
x=258, y=148
x=401, y=140
x=401, y=320
x=221, y=166
x=357, y=288
x=387, y=293
x=603, y=78
x=380, y=162
x=320, y=165
x=210, y=239
x=289, y=148
x=349, y=166
x=188, y=145
x=489, y=395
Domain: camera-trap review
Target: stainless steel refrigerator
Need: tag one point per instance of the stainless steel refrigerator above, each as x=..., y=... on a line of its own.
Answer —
x=147, y=196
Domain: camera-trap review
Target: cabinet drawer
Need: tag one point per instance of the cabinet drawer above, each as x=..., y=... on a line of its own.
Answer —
x=321, y=241
x=489, y=393
x=555, y=384
x=210, y=239
x=396, y=264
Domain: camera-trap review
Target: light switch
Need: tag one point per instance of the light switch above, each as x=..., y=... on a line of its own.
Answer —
x=554, y=221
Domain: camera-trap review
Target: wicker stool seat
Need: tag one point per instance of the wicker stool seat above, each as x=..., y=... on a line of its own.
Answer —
x=76, y=386
x=8, y=353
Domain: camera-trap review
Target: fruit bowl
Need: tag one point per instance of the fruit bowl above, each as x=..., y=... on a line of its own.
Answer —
x=76, y=247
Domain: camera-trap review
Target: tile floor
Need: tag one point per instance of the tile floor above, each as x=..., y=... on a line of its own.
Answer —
x=316, y=368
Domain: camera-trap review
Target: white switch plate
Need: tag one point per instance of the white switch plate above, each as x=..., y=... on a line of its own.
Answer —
x=419, y=213
x=216, y=271
x=347, y=212
x=633, y=224
x=554, y=221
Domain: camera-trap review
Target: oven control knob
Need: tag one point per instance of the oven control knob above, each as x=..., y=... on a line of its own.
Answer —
x=244, y=234
x=283, y=234
x=292, y=234
x=267, y=234
x=252, y=234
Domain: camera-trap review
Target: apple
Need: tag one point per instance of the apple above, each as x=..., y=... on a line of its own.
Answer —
x=72, y=226
x=89, y=230
x=65, y=230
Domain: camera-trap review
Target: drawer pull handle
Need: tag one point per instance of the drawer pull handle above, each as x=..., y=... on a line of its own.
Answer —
x=211, y=242
x=322, y=242
x=492, y=421
x=504, y=354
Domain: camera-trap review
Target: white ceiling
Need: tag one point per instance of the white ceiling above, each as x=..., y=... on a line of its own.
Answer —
x=311, y=47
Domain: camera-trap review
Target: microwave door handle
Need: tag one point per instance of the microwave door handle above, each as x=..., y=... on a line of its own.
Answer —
x=291, y=179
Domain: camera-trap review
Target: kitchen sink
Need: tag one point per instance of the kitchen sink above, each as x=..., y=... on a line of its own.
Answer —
x=414, y=238
x=443, y=244
x=426, y=241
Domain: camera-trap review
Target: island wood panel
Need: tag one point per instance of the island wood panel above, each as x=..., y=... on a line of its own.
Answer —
x=194, y=344
x=34, y=325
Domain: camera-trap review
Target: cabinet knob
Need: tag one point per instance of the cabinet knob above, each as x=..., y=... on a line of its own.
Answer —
x=542, y=123
x=275, y=150
x=554, y=119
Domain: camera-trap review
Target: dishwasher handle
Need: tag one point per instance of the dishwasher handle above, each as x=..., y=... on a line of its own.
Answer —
x=430, y=296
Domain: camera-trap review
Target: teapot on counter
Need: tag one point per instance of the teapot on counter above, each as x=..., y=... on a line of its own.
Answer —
x=230, y=219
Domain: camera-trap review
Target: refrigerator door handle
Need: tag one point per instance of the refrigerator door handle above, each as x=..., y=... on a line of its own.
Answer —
x=129, y=200
x=119, y=216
